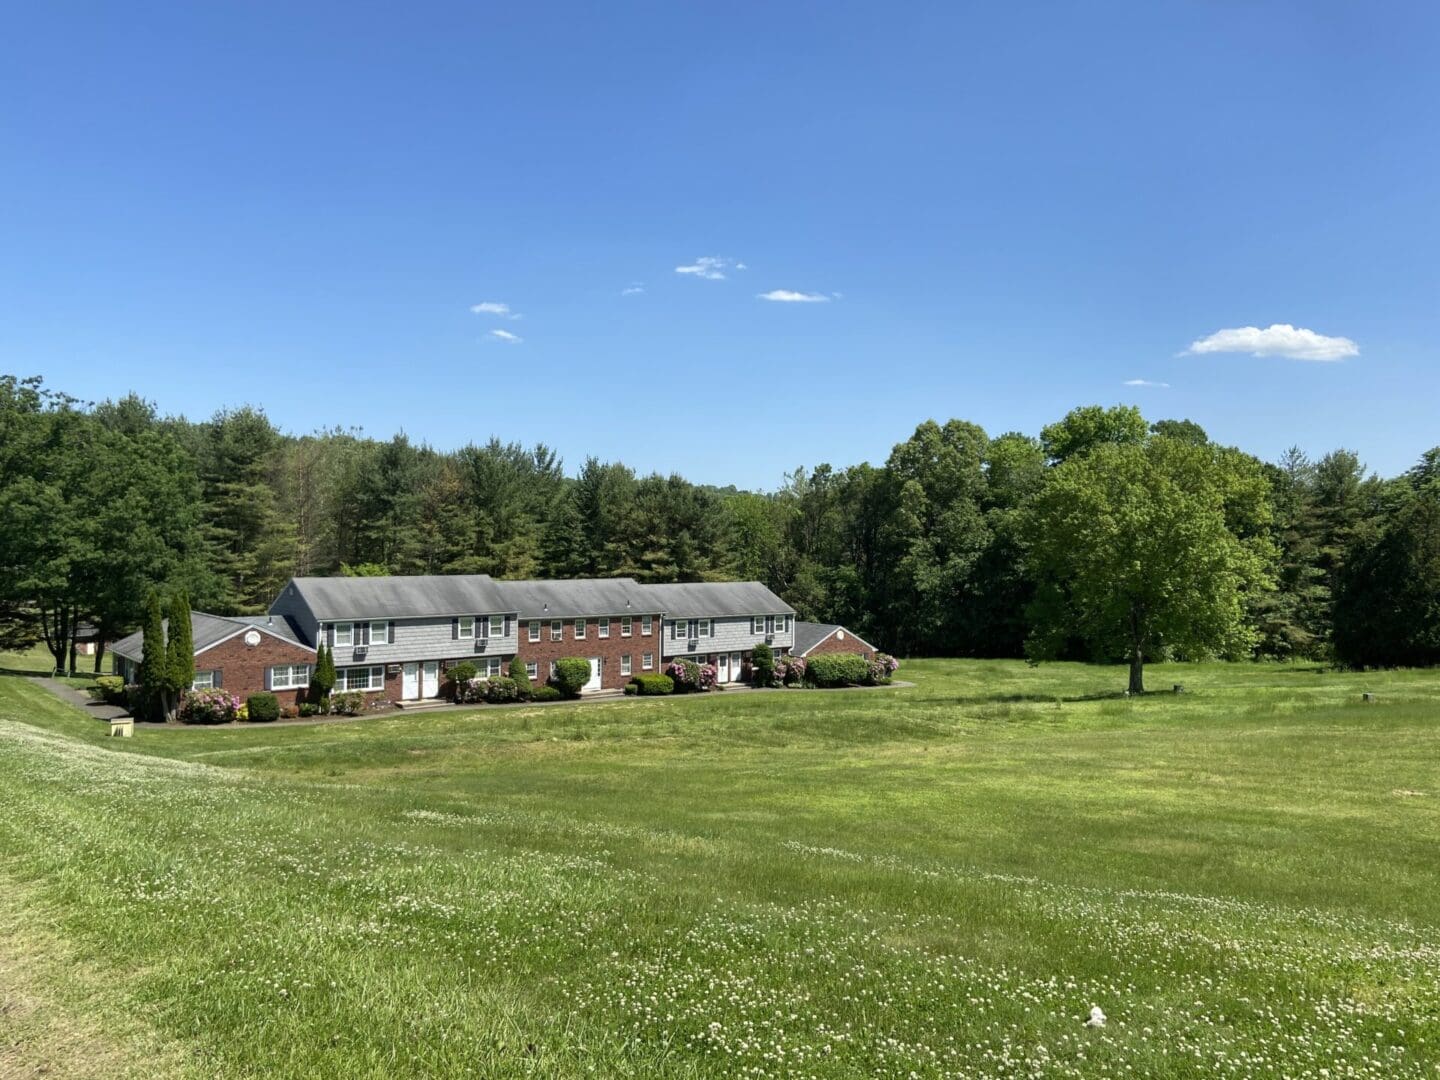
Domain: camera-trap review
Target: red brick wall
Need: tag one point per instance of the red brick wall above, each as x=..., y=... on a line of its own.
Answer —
x=242, y=667
x=611, y=649
x=851, y=644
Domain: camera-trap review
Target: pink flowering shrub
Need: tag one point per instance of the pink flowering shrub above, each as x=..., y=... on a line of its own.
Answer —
x=208, y=707
x=790, y=670
x=690, y=677
x=882, y=667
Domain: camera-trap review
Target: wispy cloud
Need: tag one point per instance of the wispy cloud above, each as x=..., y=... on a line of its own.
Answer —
x=495, y=307
x=710, y=267
x=1147, y=382
x=1280, y=339
x=633, y=288
x=790, y=296
x=506, y=336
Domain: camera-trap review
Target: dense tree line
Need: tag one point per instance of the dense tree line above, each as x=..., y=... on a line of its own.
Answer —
x=960, y=543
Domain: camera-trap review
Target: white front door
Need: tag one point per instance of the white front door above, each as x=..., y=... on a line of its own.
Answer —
x=722, y=667
x=594, y=681
x=410, y=682
x=431, y=679
x=734, y=667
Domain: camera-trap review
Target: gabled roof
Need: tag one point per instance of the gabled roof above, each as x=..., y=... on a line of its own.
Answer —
x=810, y=634
x=402, y=597
x=578, y=596
x=209, y=630
x=715, y=598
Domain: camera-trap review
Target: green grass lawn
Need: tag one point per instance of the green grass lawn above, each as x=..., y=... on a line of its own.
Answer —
x=930, y=881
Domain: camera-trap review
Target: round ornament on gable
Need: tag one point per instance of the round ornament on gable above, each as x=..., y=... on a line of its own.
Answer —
x=252, y=637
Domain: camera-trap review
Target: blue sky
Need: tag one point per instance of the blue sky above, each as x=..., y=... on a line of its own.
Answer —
x=1009, y=210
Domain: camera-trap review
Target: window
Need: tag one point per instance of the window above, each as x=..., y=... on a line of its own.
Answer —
x=289, y=676
x=625, y=664
x=360, y=678
x=604, y=625
x=645, y=625
x=557, y=630
x=579, y=629
x=625, y=625
x=647, y=662
x=493, y=666
x=757, y=624
x=379, y=633
x=465, y=627
x=204, y=680
x=534, y=629
x=532, y=669
x=682, y=628
x=780, y=623
x=344, y=633
x=552, y=669
x=704, y=628
x=497, y=625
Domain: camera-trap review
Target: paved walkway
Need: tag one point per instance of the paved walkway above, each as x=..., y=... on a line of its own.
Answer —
x=82, y=700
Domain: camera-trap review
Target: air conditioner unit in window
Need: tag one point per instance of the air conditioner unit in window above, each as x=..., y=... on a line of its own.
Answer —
x=360, y=651
x=693, y=645
x=769, y=639
x=481, y=644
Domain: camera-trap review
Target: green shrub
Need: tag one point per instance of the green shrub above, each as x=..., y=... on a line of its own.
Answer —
x=837, y=669
x=762, y=665
x=348, y=702
x=309, y=708
x=571, y=675
x=546, y=693
x=262, y=708
x=521, y=677
x=630, y=689
x=462, y=672
x=652, y=685
x=110, y=689
x=501, y=690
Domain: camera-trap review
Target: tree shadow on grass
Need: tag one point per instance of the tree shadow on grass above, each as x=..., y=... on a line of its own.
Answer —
x=1046, y=699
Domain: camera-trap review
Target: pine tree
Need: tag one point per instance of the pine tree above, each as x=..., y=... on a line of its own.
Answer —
x=152, y=658
x=179, y=653
x=322, y=679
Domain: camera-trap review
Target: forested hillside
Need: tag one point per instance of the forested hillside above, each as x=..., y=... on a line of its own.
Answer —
x=928, y=553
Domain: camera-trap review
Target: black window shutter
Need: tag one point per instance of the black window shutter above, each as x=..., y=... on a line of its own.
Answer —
x=455, y=628
x=362, y=636
x=216, y=680
x=507, y=625
x=390, y=632
x=484, y=625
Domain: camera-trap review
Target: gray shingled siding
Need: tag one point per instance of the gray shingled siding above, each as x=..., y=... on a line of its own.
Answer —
x=430, y=639
x=291, y=604
x=727, y=635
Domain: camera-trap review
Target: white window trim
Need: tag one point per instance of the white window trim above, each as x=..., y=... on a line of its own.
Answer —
x=603, y=627
x=682, y=629
x=342, y=678
x=702, y=628
x=647, y=662
x=532, y=669
x=493, y=668
x=290, y=682
x=497, y=625
x=383, y=637
x=460, y=622
x=534, y=629
x=579, y=629
x=627, y=625
x=208, y=684
x=625, y=664
x=780, y=621
x=645, y=625
x=552, y=669
x=345, y=636
x=757, y=624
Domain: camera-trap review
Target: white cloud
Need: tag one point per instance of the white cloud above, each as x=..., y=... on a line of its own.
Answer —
x=495, y=307
x=710, y=267
x=633, y=288
x=1281, y=339
x=790, y=296
x=506, y=336
x=1147, y=382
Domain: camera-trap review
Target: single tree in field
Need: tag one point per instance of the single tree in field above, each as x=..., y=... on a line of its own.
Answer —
x=1146, y=548
x=152, y=672
x=179, y=653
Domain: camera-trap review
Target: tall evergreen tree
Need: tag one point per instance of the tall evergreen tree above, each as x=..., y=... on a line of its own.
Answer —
x=152, y=676
x=179, y=653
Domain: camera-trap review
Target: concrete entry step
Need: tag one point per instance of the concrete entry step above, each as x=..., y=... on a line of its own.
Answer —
x=425, y=703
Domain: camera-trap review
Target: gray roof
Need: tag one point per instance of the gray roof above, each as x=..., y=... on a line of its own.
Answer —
x=716, y=598
x=578, y=596
x=400, y=597
x=208, y=630
x=810, y=634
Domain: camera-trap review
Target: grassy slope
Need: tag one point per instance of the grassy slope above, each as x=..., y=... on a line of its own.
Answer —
x=955, y=871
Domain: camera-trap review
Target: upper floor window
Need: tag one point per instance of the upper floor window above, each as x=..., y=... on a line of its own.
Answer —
x=604, y=627
x=757, y=624
x=379, y=633
x=465, y=627
x=704, y=628
x=781, y=621
x=682, y=628
x=557, y=630
x=645, y=625
x=497, y=625
x=344, y=633
x=625, y=625
x=534, y=629
x=579, y=629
